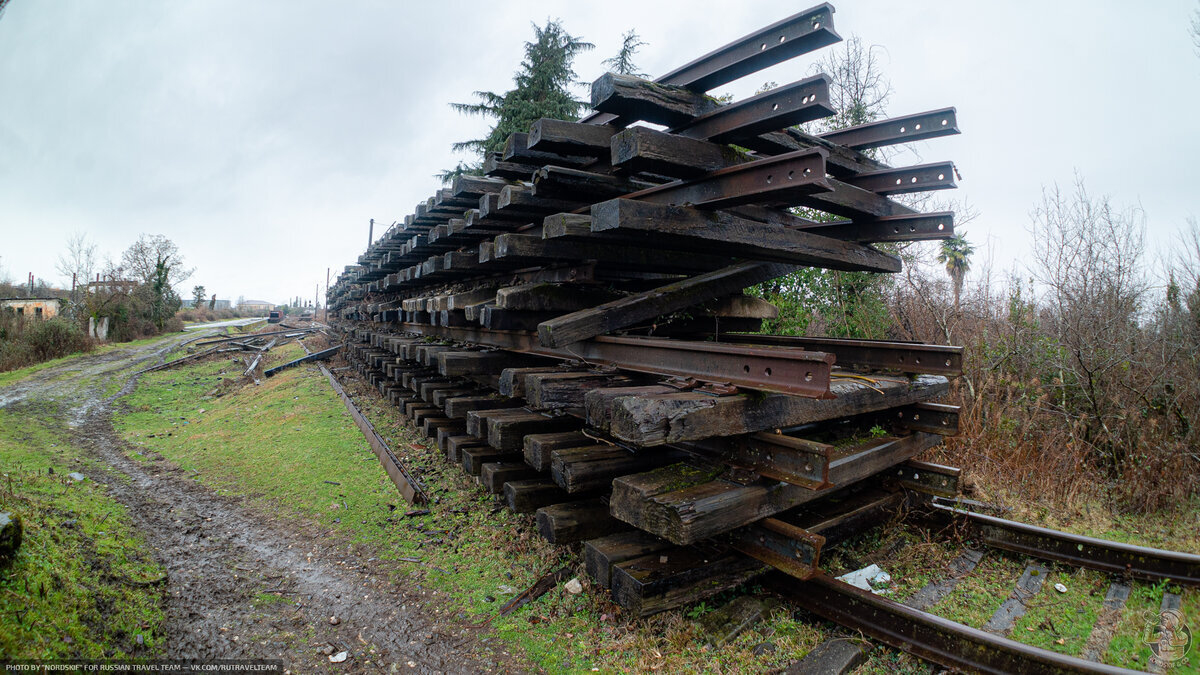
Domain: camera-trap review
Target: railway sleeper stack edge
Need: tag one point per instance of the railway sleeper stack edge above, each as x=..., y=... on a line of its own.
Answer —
x=573, y=327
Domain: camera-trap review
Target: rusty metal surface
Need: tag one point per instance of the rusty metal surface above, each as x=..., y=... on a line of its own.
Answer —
x=780, y=545
x=792, y=460
x=933, y=479
x=409, y=488
x=788, y=38
x=796, y=103
x=934, y=418
x=905, y=357
x=1099, y=554
x=920, y=227
x=798, y=34
x=927, y=636
x=773, y=369
x=918, y=127
x=778, y=178
x=918, y=178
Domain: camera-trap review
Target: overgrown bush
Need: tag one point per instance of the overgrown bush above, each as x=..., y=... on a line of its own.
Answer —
x=27, y=342
x=1080, y=381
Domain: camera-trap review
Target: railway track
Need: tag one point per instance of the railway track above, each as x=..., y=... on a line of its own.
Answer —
x=573, y=329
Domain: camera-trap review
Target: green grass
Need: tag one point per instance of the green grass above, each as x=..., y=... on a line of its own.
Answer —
x=76, y=587
x=1128, y=648
x=1062, y=622
x=980, y=593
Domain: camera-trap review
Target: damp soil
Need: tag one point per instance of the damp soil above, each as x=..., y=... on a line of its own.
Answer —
x=226, y=561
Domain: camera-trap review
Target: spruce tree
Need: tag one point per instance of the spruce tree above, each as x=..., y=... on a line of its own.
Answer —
x=622, y=63
x=542, y=89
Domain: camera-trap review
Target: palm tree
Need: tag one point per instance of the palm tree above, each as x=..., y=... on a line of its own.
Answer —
x=956, y=256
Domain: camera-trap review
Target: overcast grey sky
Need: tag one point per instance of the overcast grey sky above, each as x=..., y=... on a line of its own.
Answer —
x=261, y=136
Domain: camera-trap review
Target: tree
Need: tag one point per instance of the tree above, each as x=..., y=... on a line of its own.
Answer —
x=212, y=304
x=78, y=261
x=1087, y=255
x=955, y=254
x=198, y=293
x=144, y=257
x=622, y=63
x=1195, y=31
x=831, y=302
x=858, y=89
x=542, y=90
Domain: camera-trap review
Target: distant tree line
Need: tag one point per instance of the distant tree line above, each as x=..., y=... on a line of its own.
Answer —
x=134, y=298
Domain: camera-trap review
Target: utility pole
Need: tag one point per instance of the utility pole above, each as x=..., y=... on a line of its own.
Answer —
x=371, y=233
x=325, y=314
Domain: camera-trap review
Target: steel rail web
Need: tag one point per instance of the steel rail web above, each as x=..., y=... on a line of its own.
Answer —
x=1140, y=562
x=796, y=372
x=925, y=635
x=409, y=488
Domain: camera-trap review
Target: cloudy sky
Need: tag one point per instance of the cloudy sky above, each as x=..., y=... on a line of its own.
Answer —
x=262, y=136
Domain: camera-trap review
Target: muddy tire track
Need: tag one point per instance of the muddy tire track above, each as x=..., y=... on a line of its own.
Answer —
x=222, y=555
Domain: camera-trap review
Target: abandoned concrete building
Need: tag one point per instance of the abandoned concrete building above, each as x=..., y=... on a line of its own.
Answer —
x=33, y=308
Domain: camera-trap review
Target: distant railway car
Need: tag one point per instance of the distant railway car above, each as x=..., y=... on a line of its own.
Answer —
x=274, y=316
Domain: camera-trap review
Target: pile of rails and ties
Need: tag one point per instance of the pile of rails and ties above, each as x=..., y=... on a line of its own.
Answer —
x=572, y=328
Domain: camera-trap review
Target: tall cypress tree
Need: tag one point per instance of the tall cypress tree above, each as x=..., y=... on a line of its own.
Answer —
x=541, y=90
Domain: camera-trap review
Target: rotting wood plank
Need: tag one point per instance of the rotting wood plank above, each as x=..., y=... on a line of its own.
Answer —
x=703, y=508
x=704, y=231
x=508, y=432
x=575, y=521
x=461, y=406
x=593, y=467
x=477, y=419
x=530, y=494
x=667, y=579
x=599, y=555
x=537, y=447
x=495, y=474
x=569, y=138
x=455, y=445
x=673, y=418
x=532, y=249
x=474, y=458
x=546, y=391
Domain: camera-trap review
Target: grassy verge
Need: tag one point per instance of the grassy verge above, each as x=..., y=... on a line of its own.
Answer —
x=82, y=584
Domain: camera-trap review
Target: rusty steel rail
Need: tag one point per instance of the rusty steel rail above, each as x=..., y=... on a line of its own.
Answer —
x=924, y=635
x=408, y=486
x=905, y=357
x=798, y=34
x=310, y=356
x=763, y=368
x=1140, y=562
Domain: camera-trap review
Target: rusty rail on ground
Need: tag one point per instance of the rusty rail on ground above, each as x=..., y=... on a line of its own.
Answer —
x=925, y=635
x=1139, y=562
x=408, y=486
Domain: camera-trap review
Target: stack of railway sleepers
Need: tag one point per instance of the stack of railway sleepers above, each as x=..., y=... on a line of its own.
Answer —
x=573, y=327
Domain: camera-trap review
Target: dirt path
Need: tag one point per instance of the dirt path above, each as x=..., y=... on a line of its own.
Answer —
x=223, y=558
